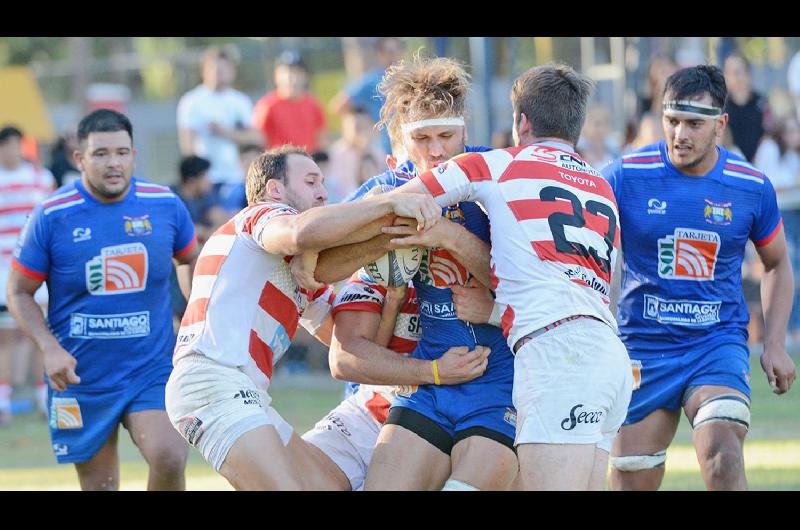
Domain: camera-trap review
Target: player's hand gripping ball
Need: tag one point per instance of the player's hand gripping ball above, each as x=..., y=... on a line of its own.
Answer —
x=396, y=267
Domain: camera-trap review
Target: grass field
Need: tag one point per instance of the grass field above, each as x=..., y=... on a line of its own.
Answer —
x=772, y=449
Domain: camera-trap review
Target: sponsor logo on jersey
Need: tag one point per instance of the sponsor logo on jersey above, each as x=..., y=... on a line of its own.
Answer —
x=359, y=297
x=138, y=226
x=118, y=270
x=580, y=276
x=718, y=213
x=61, y=449
x=575, y=418
x=681, y=312
x=81, y=234
x=249, y=397
x=510, y=416
x=544, y=153
x=405, y=390
x=116, y=326
x=636, y=368
x=65, y=413
x=654, y=206
x=688, y=254
x=191, y=428
x=441, y=311
x=335, y=420
x=440, y=269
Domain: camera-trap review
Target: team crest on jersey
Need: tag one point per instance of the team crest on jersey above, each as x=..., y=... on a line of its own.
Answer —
x=636, y=368
x=688, y=254
x=117, y=270
x=138, y=226
x=718, y=213
x=510, y=416
x=65, y=413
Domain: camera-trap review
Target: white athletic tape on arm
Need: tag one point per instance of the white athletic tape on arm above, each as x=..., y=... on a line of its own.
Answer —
x=726, y=407
x=497, y=314
x=457, y=485
x=414, y=125
x=638, y=462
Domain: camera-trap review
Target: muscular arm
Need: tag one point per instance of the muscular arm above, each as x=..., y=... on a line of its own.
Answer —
x=337, y=263
x=777, y=289
x=59, y=364
x=354, y=356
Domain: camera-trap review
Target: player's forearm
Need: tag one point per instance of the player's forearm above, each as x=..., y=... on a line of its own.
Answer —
x=777, y=290
x=362, y=361
x=321, y=228
x=337, y=263
x=471, y=251
x=30, y=318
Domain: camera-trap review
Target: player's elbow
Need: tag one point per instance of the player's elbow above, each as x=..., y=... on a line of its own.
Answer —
x=343, y=365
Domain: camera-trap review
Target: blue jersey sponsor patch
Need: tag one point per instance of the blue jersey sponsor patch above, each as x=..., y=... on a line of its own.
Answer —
x=681, y=312
x=115, y=326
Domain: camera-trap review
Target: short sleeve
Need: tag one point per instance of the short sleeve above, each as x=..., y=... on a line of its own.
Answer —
x=186, y=118
x=185, y=239
x=259, y=220
x=358, y=295
x=318, y=309
x=454, y=181
x=768, y=219
x=32, y=253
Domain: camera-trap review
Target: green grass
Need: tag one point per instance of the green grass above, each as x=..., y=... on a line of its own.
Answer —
x=772, y=449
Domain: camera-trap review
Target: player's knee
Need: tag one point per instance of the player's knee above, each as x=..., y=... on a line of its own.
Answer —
x=168, y=459
x=722, y=460
x=633, y=463
x=729, y=408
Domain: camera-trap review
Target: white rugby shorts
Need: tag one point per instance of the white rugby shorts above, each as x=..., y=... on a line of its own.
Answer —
x=572, y=385
x=347, y=435
x=212, y=405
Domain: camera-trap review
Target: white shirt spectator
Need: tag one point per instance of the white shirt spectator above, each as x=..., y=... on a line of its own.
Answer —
x=229, y=108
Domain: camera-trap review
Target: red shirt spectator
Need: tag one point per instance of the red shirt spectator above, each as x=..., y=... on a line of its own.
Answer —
x=290, y=121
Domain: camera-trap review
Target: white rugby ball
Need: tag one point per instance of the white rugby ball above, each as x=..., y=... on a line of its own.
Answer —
x=397, y=267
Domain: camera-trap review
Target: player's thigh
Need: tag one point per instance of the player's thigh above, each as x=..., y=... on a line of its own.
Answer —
x=402, y=460
x=597, y=481
x=259, y=460
x=556, y=467
x=720, y=416
x=652, y=434
x=317, y=470
x=484, y=463
x=101, y=471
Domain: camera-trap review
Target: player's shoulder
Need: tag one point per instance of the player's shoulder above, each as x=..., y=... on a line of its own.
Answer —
x=641, y=163
x=67, y=197
x=739, y=172
x=193, y=95
x=150, y=191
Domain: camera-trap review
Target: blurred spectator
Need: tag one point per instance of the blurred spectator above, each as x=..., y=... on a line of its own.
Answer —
x=348, y=155
x=778, y=156
x=290, y=114
x=595, y=144
x=793, y=80
x=214, y=119
x=748, y=111
x=22, y=187
x=233, y=198
x=195, y=191
x=364, y=91
x=648, y=131
x=62, y=165
x=659, y=69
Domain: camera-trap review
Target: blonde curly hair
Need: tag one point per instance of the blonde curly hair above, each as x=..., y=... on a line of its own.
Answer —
x=422, y=89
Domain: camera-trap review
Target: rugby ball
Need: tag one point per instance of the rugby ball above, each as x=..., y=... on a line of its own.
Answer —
x=397, y=267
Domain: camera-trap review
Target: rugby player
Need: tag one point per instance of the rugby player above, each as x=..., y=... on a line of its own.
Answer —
x=457, y=436
x=243, y=313
x=554, y=241
x=687, y=208
x=105, y=246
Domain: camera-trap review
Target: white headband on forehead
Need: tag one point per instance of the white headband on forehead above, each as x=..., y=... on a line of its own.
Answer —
x=414, y=125
x=691, y=109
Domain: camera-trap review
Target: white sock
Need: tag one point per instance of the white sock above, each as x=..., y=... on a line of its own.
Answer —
x=457, y=485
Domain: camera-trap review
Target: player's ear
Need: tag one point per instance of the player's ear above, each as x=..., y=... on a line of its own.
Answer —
x=722, y=123
x=77, y=157
x=274, y=190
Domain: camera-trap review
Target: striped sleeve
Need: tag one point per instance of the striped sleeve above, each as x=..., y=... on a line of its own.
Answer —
x=357, y=295
x=768, y=222
x=185, y=238
x=260, y=216
x=454, y=181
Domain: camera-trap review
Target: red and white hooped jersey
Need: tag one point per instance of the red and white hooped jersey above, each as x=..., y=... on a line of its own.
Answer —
x=245, y=305
x=555, y=230
x=361, y=293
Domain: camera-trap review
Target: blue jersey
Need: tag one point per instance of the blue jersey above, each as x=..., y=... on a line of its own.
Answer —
x=683, y=240
x=107, y=268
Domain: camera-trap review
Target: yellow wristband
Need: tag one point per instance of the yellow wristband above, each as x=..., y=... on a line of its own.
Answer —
x=436, y=372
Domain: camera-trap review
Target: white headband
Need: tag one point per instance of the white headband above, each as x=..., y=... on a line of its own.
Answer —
x=691, y=109
x=414, y=125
